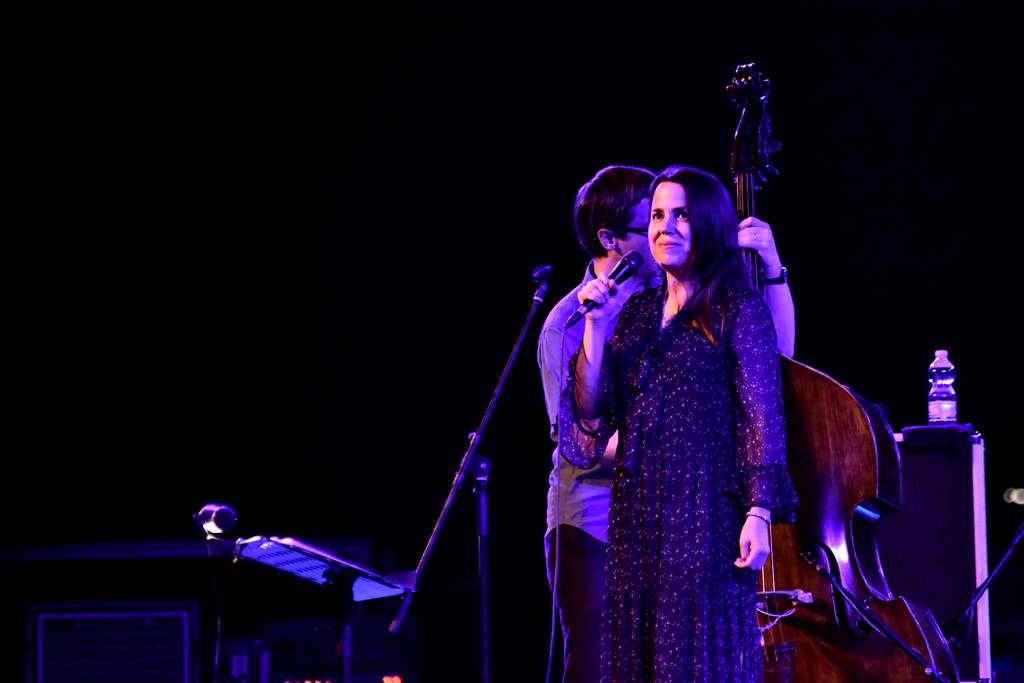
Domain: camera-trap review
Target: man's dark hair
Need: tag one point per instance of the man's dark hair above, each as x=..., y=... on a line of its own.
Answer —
x=606, y=200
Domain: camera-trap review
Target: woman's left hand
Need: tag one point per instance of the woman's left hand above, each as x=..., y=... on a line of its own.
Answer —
x=754, y=544
x=757, y=235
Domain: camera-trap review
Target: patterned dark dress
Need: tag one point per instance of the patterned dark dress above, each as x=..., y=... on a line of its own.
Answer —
x=701, y=439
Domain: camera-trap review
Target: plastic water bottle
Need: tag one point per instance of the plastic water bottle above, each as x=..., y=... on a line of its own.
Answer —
x=941, y=398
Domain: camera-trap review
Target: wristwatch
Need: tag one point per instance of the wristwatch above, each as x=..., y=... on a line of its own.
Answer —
x=780, y=279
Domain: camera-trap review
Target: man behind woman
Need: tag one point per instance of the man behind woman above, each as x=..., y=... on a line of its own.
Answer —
x=689, y=380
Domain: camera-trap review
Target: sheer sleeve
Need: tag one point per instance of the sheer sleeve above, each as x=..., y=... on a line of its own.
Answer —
x=579, y=445
x=760, y=420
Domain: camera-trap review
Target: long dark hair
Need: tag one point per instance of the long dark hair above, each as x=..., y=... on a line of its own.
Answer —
x=715, y=259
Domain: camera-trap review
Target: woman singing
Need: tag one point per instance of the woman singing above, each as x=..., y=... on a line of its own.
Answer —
x=690, y=379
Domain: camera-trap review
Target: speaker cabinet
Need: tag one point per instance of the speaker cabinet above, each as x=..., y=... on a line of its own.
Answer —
x=113, y=642
x=934, y=550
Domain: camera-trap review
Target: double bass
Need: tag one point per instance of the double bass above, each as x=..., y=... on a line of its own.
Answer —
x=826, y=613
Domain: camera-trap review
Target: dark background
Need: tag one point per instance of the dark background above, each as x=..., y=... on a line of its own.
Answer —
x=277, y=258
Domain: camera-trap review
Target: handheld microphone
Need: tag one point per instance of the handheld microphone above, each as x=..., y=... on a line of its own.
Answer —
x=623, y=270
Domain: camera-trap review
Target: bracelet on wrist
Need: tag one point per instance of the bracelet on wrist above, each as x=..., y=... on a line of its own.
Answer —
x=760, y=517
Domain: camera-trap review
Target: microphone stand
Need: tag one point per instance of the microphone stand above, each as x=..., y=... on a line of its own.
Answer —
x=956, y=632
x=481, y=467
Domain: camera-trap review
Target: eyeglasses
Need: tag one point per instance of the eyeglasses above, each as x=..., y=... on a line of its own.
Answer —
x=636, y=231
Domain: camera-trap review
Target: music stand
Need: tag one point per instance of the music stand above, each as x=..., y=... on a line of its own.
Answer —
x=353, y=582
